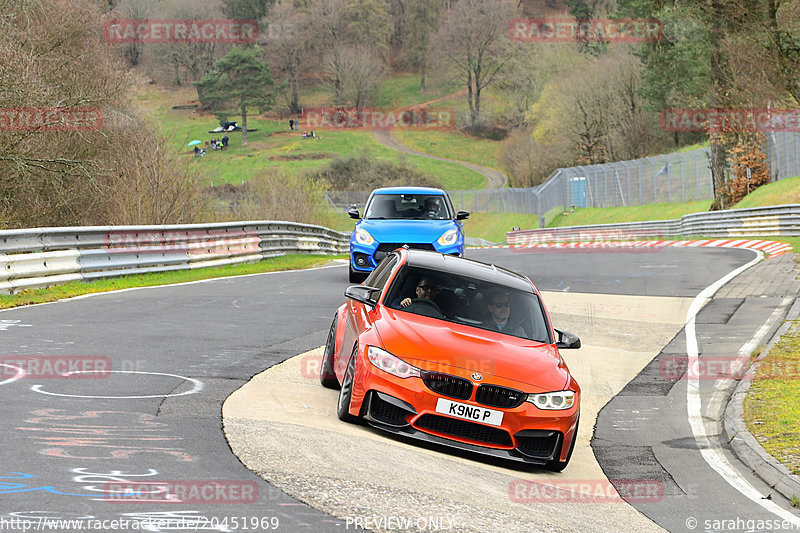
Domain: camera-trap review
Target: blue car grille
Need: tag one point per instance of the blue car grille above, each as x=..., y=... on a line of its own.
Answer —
x=385, y=248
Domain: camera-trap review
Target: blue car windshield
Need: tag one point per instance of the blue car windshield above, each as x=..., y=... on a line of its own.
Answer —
x=408, y=206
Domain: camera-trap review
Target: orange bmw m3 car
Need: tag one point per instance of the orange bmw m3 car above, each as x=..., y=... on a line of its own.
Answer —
x=455, y=352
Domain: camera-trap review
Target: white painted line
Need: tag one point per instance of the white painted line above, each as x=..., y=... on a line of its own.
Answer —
x=712, y=455
x=19, y=375
x=197, y=387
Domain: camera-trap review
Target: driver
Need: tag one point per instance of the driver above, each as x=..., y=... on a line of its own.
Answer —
x=431, y=207
x=426, y=288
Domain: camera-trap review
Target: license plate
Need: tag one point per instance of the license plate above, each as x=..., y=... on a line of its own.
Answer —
x=469, y=412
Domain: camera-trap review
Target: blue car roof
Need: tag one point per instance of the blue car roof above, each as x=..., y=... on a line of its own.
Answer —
x=408, y=190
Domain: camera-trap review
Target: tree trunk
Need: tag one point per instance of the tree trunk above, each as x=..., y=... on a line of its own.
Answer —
x=717, y=149
x=423, y=71
x=244, y=125
x=294, y=84
x=473, y=116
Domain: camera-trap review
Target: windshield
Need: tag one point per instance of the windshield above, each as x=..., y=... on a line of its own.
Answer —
x=408, y=206
x=469, y=301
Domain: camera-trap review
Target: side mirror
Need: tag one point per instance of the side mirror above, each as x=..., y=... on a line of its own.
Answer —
x=461, y=215
x=353, y=213
x=362, y=293
x=567, y=341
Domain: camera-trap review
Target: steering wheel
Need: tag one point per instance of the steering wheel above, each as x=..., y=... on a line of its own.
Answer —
x=425, y=307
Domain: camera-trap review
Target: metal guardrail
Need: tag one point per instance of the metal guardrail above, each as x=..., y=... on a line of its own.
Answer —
x=773, y=221
x=42, y=257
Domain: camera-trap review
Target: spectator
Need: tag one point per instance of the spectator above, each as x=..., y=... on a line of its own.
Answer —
x=225, y=141
x=196, y=151
x=291, y=124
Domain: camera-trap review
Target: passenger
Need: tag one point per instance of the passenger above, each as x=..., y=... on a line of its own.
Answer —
x=498, y=303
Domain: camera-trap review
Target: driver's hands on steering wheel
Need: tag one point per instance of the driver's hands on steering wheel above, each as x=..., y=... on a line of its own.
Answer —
x=405, y=302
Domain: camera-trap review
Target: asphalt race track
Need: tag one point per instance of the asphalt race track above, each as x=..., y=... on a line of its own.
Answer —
x=73, y=444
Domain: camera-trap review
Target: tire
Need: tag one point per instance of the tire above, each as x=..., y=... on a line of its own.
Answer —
x=346, y=392
x=327, y=376
x=558, y=466
x=356, y=276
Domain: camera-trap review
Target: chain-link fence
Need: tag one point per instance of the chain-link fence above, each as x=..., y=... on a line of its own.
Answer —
x=672, y=178
x=783, y=153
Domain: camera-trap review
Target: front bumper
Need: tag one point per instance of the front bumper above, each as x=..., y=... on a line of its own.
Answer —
x=407, y=408
x=364, y=258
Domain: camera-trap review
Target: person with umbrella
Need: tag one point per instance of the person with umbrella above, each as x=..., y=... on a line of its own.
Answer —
x=196, y=149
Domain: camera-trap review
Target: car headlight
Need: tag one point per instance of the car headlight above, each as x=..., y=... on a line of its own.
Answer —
x=448, y=237
x=391, y=364
x=552, y=400
x=363, y=237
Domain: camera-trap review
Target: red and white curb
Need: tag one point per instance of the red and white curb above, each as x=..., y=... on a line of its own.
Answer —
x=770, y=248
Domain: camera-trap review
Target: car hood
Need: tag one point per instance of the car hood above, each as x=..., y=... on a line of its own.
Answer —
x=406, y=230
x=436, y=345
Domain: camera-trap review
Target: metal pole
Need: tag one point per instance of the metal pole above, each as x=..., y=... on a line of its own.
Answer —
x=669, y=180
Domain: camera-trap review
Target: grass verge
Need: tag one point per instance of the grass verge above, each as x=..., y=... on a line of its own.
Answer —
x=78, y=288
x=449, y=145
x=771, y=408
x=634, y=213
x=785, y=191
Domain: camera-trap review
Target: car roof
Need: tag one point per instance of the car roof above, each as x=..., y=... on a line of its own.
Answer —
x=408, y=190
x=462, y=266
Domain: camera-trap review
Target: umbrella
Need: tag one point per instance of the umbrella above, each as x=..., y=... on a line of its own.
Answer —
x=195, y=142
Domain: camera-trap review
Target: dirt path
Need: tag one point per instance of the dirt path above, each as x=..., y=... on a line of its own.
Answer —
x=494, y=178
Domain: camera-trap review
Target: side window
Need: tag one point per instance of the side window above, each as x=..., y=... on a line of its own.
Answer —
x=381, y=274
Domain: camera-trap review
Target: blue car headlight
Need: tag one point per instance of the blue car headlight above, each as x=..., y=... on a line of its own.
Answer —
x=363, y=237
x=448, y=238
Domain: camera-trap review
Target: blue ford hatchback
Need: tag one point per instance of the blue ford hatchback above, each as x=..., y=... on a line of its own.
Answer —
x=420, y=217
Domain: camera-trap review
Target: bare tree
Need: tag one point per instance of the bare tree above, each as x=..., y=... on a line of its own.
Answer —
x=354, y=34
x=422, y=19
x=361, y=71
x=78, y=176
x=288, y=48
x=528, y=70
x=187, y=61
x=597, y=108
x=135, y=10
x=330, y=26
x=473, y=40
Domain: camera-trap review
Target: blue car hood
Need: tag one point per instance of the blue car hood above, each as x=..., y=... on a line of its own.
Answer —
x=406, y=230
